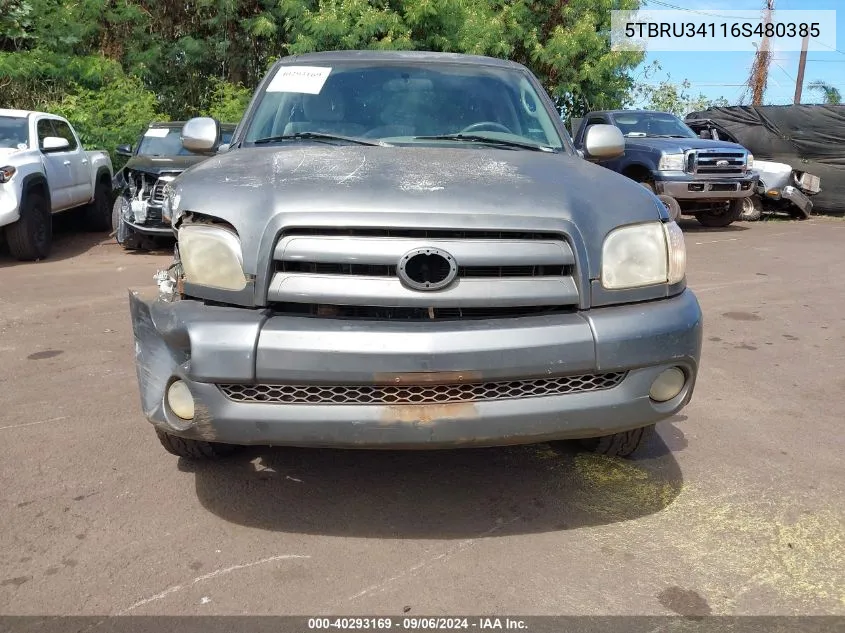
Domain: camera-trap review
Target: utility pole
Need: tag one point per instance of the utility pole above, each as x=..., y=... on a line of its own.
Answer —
x=802, y=62
x=760, y=71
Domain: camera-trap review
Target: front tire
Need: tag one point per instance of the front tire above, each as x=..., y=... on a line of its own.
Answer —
x=98, y=215
x=721, y=219
x=672, y=206
x=619, y=444
x=194, y=449
x=31, y=237
x=752, y=209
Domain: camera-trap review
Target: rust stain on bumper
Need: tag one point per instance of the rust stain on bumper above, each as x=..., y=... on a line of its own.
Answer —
x=428, y=413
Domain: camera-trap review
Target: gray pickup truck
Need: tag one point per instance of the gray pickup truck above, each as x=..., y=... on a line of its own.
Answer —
x=404, y=250
x=701, y=177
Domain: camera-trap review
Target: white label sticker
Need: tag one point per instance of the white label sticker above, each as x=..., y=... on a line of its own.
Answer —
x=306, y=79
x=158, y=132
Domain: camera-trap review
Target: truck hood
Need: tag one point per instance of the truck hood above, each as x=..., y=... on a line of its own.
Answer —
x=677, y=145
x=260, y=191
x=8, y=151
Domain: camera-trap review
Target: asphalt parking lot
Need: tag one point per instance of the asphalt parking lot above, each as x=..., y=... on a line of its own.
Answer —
x=737, y=508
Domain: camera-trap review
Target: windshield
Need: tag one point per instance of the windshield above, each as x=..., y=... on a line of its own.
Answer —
x=399, y=102
x=635, y=124
x=13, y=132
x=166, y=141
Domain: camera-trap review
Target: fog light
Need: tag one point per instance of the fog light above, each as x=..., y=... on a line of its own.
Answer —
x=180, y=400
x=667, y=385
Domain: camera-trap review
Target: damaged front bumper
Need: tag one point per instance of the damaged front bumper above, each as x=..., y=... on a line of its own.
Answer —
x=140, y=216
x=796, y=197
x=261, y=378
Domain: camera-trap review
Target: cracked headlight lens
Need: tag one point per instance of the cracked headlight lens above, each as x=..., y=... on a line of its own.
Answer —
x=211, y=256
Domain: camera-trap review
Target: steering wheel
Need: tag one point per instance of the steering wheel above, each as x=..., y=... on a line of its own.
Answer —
x=486, y=125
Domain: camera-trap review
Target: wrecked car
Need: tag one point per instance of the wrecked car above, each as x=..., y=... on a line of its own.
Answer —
x=809, y=138
x=405, y=250
x=157, y=158
x=780, y=188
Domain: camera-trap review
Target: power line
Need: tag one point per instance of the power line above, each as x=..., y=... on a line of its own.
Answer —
x=677, y=8
x=829, y=46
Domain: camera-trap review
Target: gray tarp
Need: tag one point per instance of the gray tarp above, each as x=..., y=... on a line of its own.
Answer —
x=808, y=137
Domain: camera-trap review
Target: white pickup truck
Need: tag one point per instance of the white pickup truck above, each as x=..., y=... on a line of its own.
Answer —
x=45, y=170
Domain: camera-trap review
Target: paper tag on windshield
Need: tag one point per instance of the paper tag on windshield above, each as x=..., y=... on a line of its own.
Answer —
x=305, y=79
x=158, y=132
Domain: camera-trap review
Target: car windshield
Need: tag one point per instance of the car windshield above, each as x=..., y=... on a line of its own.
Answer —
x=13, y=132
x=398, y=103
x=652, y=124
x=166, y=141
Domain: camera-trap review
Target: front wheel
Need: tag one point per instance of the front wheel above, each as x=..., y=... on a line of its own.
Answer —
x=31, y=237
x=672, y=206
x=619, y=444
x=752, y=209
x=721, y=218
x=193, y=449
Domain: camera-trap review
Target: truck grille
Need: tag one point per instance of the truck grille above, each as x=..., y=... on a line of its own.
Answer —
x=420, y=394
x=157, y=193
x=716, y=162
x=357, y=274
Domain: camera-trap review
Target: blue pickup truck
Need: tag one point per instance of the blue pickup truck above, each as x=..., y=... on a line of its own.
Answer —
x=692, y=176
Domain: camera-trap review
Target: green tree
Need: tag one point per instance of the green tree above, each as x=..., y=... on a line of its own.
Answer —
x=668, y=96
x=181, y=59
x=830, y=94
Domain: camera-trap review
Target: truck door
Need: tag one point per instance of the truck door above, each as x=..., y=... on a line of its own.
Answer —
x=57, y=166
x=82, y=190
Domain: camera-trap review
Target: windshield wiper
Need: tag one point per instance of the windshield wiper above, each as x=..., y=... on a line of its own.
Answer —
x=475, y=138
x=668, y=136
x=320, y=136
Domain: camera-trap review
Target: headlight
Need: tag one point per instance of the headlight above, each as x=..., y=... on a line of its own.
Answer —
x=671, y=162
x=167, y=205
x=643, y=255
x=750, y=160
x=6, y=174
x=211, y=256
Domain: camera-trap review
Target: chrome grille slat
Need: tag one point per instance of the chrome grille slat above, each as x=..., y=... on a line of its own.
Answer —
x=386, y=251
x=389, y=291
x=704, y=162
x=157, y=193
x=420, y=394
x=359, y=267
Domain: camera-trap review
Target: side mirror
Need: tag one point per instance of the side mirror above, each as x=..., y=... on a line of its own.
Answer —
x=124, y=150
x=201, y=135
x=54, y=144
x=603, y=142
x=705, y=134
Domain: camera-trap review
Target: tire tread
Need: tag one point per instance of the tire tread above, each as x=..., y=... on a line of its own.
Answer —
x=193, y=449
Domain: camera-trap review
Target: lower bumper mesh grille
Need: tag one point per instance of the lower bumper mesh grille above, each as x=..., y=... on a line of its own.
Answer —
x=420, y=394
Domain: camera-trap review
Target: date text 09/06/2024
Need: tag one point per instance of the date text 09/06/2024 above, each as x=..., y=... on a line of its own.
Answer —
x=744, y=29
x=418, y=623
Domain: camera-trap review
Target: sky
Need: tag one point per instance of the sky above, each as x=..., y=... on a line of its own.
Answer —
x=723, y=74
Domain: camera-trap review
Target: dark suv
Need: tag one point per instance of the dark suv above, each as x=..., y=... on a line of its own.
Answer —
x=158, y=157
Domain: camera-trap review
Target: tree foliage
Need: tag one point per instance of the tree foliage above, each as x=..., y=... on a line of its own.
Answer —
x=830, y=94
x=111, y=65
x=668, y=96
